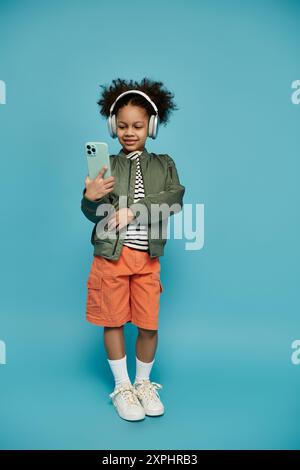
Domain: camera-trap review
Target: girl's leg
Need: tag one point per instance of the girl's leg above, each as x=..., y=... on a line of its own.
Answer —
x=114, y=342
x=146, y=345
x=115, y=348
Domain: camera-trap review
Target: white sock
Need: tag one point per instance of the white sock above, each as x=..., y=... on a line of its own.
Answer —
x=143, y=369
x=119, y=370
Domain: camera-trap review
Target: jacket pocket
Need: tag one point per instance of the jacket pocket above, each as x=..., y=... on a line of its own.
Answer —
x=94, y=295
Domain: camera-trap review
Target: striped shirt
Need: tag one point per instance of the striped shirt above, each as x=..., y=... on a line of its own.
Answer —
x=136, y=234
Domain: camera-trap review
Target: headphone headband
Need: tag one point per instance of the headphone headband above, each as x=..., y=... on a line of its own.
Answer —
x=134, y=91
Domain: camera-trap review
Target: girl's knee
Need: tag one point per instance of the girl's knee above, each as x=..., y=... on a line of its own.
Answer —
x=108, y=328
x=145, y=332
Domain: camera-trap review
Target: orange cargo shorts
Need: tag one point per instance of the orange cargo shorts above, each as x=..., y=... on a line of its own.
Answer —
x=126, y=290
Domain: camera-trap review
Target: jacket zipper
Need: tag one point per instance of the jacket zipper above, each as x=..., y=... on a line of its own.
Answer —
x=129, y=178
x=146, y=192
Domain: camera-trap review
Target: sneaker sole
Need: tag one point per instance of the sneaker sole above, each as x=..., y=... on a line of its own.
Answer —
x=154, y=413
x=130, y=419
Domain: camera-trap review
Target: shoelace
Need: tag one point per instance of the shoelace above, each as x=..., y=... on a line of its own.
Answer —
x=148, y=390
x=128, y=393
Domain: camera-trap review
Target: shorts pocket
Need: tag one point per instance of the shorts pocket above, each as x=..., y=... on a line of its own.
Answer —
x=156, y=276
x=94, y=296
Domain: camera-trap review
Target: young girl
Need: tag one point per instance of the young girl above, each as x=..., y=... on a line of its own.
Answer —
x=124, y=281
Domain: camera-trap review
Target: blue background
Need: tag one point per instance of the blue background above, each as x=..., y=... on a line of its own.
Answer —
x=230, y=311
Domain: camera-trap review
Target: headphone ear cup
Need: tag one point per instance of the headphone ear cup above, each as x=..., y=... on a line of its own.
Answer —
x=114, y=126
x=150, y=126
x=153, y=126
x=109, y=126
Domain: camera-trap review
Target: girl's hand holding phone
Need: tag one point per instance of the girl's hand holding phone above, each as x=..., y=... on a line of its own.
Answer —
x=99, y=187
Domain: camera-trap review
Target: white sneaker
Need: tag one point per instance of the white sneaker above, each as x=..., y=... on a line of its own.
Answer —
x=149, y=397
x=126, y=402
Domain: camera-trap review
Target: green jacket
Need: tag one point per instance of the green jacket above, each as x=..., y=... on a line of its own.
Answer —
x=161, y=185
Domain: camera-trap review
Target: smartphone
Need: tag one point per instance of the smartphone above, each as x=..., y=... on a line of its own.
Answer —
x=97, y=156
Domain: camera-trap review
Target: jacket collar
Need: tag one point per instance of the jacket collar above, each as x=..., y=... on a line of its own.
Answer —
x=143, y=155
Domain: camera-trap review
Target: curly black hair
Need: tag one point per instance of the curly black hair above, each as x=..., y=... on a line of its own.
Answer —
x=156, y=91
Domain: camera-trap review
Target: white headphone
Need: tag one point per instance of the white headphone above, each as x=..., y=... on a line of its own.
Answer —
x=153, y=121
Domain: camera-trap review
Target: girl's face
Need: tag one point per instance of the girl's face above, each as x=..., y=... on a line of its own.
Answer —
x=132, y=127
